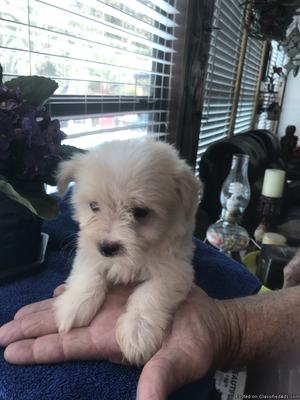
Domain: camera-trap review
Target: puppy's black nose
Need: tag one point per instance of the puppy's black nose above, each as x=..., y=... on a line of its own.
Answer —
x=110, y=249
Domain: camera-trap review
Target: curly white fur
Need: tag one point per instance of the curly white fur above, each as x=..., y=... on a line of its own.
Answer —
x=118, y=245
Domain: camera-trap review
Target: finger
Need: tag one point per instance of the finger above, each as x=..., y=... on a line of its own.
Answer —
x=155, y=382
x=75, y=345
x=46, y=349
x=44, y=305
x=59, y=290
x=291, y=275
x=47, y=304
x=166, y=372
x=290, y=282
x=30, y=326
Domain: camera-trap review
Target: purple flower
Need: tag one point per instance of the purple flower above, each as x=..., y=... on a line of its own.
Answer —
x=23, y=133
x=53, y=129
x=27, y=111
x=26, y=125
x=53, y=148
x=11, y=105
x=60, y=134
x=36, y=140
x=7, y=94
x=6, y=136
x=52, y=135
x=52, y=161
x=30, y=146
x=34, y=163
x=30, y=142
x=19, y=134
x=14, y=94
x=45, y=122
x=8, y=113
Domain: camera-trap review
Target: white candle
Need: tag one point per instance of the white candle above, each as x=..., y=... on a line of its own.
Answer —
x=274, y=238
x=273, y=183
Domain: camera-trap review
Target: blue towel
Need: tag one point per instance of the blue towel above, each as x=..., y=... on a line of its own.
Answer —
x=218, y=275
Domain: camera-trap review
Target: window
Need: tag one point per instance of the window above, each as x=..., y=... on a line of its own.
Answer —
x=112, y=60
x=224, y=53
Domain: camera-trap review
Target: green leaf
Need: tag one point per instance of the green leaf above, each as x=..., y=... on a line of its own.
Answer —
x=35, y=89
x=37, y=202
x=68, y=151
x=3, y=178
x=11, y=193
x=45, y=205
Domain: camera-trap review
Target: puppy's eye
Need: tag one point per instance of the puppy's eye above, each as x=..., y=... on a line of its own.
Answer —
x=94, y=206
x=140, y=212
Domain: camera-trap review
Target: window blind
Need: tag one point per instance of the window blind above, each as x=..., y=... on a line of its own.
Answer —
x=112, y=59
x=221, y=75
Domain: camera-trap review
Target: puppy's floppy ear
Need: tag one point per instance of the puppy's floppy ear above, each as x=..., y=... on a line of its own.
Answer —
x=190, y=190
x=66, y=173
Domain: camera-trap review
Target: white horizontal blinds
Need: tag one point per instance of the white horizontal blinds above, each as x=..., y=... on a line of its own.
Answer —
x=100, y=52
x=248, y=85
x=221, y=73
x=278, y=59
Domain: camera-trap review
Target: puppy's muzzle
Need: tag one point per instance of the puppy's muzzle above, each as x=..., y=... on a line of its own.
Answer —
x=110, y=249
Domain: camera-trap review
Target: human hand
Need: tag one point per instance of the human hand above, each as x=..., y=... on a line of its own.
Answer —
x=32, y=337
x=189, y=350
x=291, y=272
x=192, y=346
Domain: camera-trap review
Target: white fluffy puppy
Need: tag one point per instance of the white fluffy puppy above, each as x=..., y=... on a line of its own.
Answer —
x=135, y=201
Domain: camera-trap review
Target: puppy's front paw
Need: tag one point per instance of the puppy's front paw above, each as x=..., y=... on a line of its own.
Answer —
x=73, y=311
x=138, y=336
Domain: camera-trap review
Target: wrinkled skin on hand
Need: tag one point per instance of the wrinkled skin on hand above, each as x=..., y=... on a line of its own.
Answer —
x=188, y=352
x=291, y=272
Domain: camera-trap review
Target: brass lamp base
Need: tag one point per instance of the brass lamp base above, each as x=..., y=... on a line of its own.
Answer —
x=270, y=207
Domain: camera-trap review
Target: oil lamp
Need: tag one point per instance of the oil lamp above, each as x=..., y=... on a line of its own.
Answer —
x=226, y=234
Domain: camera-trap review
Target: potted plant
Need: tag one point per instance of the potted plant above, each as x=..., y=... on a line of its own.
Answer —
x=271, y=84
x=30, y=150
x=269, y=19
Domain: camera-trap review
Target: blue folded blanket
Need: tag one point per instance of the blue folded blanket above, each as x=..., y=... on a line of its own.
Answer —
x=218, y=275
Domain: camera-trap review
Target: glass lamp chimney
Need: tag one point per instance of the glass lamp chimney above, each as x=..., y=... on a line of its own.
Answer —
x=235, y=192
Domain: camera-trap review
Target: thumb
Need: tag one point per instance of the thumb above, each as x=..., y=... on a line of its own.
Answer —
x=59, y=290
x=156, y=380
x=290, y=282
x=167, y=371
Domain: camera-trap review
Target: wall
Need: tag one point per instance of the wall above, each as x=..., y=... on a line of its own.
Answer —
x=290, y=114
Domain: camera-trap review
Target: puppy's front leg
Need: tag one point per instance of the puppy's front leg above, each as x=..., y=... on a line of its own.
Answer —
x=149, y=310
x=84, y=295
